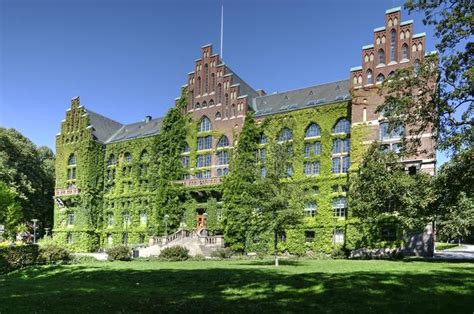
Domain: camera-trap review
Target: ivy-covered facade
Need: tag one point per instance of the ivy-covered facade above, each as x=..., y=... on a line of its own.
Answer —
x=106, y=171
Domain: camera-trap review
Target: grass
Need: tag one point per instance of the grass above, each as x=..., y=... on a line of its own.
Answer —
x=440, y=246
x=306, y=286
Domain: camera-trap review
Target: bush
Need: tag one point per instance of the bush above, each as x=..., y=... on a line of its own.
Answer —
x=175, y=253
x=15, y=257
x=222, y=253
x=198, y=258
x=119, y=253
x=83, y=259
x=52, y=253
x=339, y=253
x=383, y=253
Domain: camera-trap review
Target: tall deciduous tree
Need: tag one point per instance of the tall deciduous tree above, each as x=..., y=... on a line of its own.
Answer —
x=10, y=211
x=455, y=197
x=275, y=193
x=239, y=190
x=167, y=165
x=382, y=191
x=29, y=172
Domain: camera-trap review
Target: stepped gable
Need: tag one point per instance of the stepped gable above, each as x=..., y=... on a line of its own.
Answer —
x=301, y=98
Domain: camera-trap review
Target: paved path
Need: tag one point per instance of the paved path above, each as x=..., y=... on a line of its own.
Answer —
x=465, y=251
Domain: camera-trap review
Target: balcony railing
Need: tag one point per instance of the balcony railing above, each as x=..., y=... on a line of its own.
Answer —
x=68, y=191
x=200, y=182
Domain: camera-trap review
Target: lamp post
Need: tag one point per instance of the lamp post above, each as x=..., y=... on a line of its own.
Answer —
x=334, y=236
x=46, y=232
x=166, y=224
x=34, y=229
x=204, y=225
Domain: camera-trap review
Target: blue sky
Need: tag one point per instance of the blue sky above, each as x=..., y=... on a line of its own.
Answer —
x=128, y=58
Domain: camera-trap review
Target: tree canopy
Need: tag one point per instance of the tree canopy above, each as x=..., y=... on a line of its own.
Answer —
x=28, y=171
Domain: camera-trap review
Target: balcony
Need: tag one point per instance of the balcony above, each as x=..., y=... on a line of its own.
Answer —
x=66, y=192
x=200, y=182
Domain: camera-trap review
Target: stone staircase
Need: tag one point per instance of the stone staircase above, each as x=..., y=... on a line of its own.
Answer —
x=196, y=244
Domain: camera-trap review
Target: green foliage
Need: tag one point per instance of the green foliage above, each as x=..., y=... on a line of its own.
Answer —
x=383, y=194
x=222, y=253
x=454, y=205
x=119, y=253
x=10, y=211
x=438, y=97
x=239, y=186
x=27, y=171
x=14, y=257
x=52, y=253
x=174, y=253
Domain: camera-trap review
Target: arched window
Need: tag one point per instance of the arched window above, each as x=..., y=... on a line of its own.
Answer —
x=354, y=80
x=127, y=157
x=392, y=45
x=380, y=78
x=223, y=141
x=371, y=57
x=144, y=155
x=205, y=125
x=420, y=47
x=369, y=77
x=71, y=160
x=313, y=130
x=405, y=51
x=381, y=56
x=391, y=74
x=198, y=86
x=222, y=158
x=402, y=35
x=226, y=99
x=211, y=103
x=342, y=126
x=285, y=135
x=218, y=115
x=413, y=48
x=219, y=93
x=366, y=58
x=204, y=104
x=197, y=106
x=213, y=82
x=234, y=112
x=111, y=161
x=417, y=66
x=206, y=78
x=407, y=34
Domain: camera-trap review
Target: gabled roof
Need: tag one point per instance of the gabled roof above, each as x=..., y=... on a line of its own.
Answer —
x=301, y=98
x=136, y=130
x=108, y=131
x=104, y=127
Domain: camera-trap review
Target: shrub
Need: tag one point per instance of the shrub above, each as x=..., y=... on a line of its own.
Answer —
x=198, y=258
x=175, y=253
x=119, y=253
x=15, y=257
x=52, y=253
x=339, y=253
x=83, y=259
x=222, y=253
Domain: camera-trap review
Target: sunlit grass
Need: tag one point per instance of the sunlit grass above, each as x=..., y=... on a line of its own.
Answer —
x=241, y=286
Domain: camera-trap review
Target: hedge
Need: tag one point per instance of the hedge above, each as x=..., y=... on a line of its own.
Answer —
x=15, y=257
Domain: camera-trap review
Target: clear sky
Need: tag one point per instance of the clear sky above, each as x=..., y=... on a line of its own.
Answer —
x=128, y=58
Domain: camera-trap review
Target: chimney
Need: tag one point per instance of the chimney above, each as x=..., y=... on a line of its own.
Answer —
x=147, y=119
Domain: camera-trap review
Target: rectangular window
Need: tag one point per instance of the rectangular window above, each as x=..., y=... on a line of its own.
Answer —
x=339, y=206
x=336, y=165
x=204, y=161
x=310, y=209
x=205, y=142
x=345, y=164
x=311, y=168
x=262, y=154
x=309, y=235
x=223, y=158
x=185, y=161
x=314, y=148
x=339, y=236
x=110, y=220
x=70, y=220
x=143, y=218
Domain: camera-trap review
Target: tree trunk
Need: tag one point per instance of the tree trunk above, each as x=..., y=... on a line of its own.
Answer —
x=276, y=248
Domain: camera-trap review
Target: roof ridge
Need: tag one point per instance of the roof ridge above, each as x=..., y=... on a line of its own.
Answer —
x=301, y=88
x=93, y=112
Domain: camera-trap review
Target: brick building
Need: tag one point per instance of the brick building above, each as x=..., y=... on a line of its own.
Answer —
x=102, y=174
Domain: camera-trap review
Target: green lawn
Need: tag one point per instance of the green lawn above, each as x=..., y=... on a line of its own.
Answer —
x=242, y=286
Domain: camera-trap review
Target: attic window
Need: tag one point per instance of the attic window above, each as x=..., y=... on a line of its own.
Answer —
x=286, y=97
x=310, y=93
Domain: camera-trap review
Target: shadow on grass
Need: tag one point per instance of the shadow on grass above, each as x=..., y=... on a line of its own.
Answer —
x=95, y=288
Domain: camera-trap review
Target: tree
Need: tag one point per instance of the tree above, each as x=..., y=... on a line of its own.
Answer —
x=432, y=96
x=167, y=165
x=275, y=192
x=239, y=186
x=10, y=211
x=383, y=193
x=29, y=172
x=455, y=202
